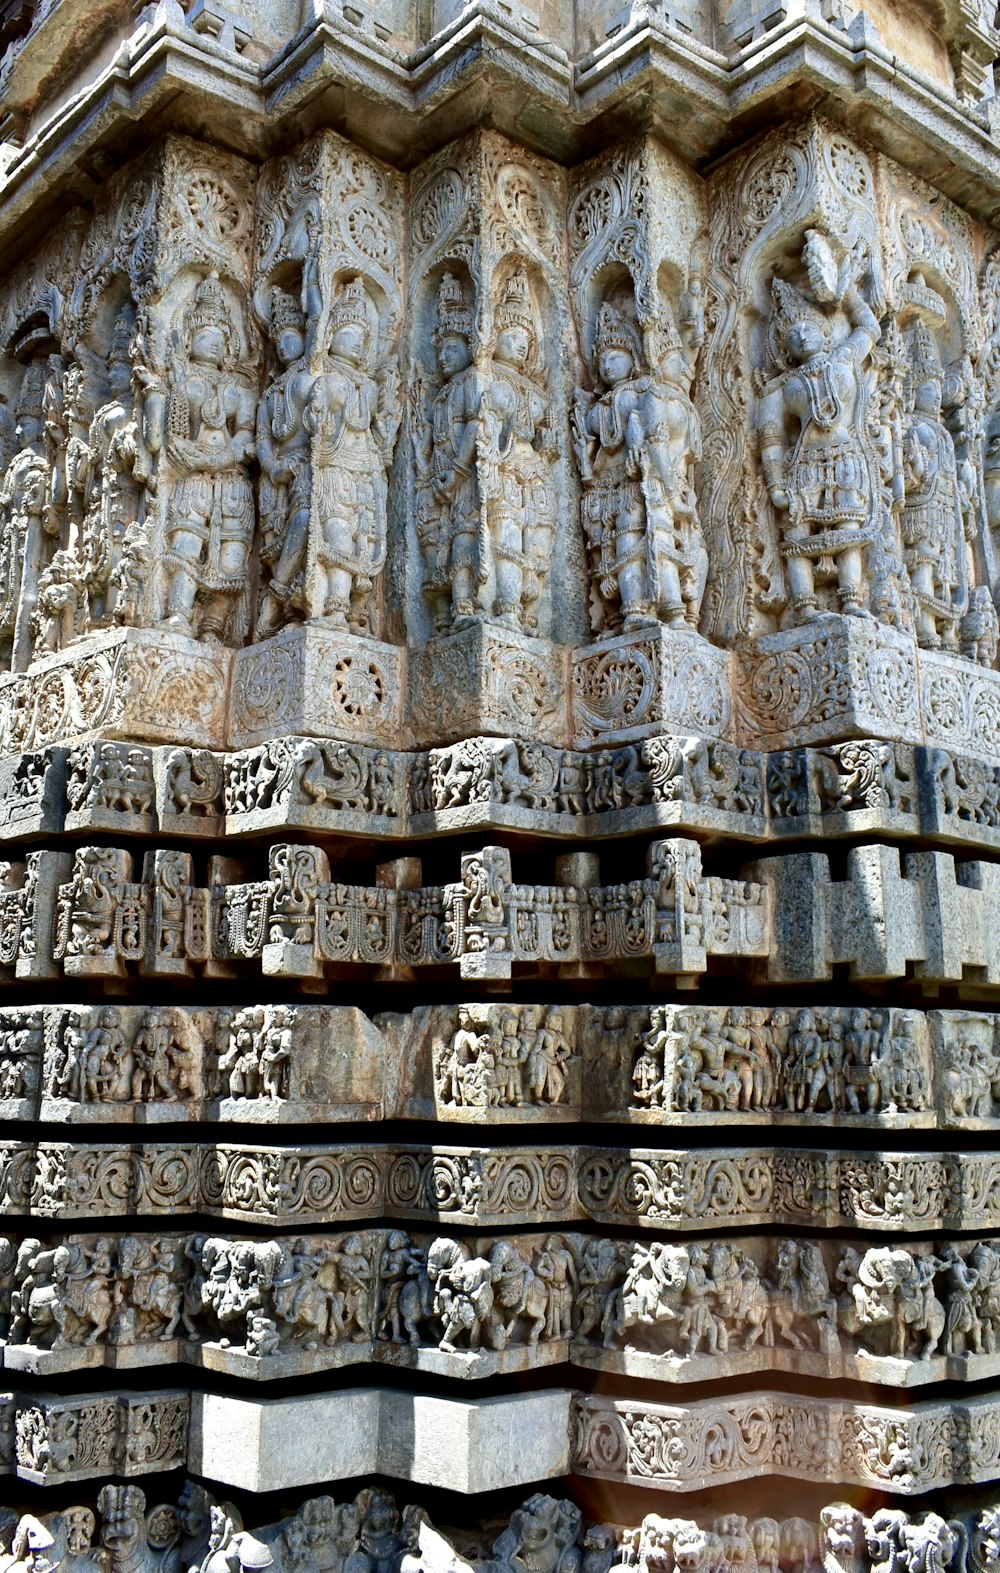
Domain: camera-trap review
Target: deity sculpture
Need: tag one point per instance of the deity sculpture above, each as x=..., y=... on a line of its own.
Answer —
x=60, y=610
x=636, y=443
x=283, y=450
x=810, y=421
x=103, y=481
x=26, y=517
x=515, y=448
x=486, y=501
x=937, y=517
x=353, y=420
x=206, y=425
x=448, y=521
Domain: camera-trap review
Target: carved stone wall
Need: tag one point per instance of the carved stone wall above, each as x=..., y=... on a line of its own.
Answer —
x=499, y=787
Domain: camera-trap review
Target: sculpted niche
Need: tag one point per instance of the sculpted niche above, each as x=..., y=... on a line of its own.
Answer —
x=635, y=226
x=488, y=341
x=328, y=290
x=639, y=407
x=842, y=388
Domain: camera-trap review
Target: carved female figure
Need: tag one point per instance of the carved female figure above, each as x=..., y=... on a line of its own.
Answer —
x=937, y=517
x=809, y=424
x=283, y=449
x=516, y=449
x=25, y=518
x=353, y=431
x=636, y=443
x=448, y=513
x=209, y=438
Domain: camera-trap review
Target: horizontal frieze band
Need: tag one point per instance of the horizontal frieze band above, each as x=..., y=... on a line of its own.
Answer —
x=367, y=1533
x=688, y=784
x=528, y=1437
x=897, y=1314
x=492, y=1187
x=859, y=1066
x=99, y=912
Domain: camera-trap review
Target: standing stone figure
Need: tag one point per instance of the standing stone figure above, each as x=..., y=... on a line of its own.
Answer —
x=208, y=436
x=448, y=514
x=25, y=518
x=101, y=495
x=636, y=443
x=283, y=449
x=353, y=422
x=937, y=515
x=810, y=424
x=515, y=449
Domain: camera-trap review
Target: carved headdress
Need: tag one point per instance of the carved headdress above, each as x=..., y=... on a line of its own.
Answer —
x=789, y=306
x=514, y=309
x=351, y=307
x=210, y=309
x=453, y=314
x=615, y=332
x=286, y=311
x=31, y=394
x=120, y=343
x=925, y=361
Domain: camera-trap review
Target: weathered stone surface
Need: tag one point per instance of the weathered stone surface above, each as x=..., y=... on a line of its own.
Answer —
x=499, y=529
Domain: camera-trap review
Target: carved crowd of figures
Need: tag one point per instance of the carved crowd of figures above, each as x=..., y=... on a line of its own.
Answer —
x=202, y=396
x=517, y=1058
x=198, y=1534
x=717, y=1299
x=616, y=1063
x=806, y=1061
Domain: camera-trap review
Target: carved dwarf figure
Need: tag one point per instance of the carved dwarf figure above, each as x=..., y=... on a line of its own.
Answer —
x=810, y=423
x=353, y=420
x=937, y=517
x=208, y=433
x=636, y=443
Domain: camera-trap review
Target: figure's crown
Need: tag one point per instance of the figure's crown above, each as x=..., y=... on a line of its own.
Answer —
x=615, y=332
x=924, y=358
x=351, y=306
x=209, y=308
x=285, y=310
x=119, y=348
x=453, y=314
x=514, y=310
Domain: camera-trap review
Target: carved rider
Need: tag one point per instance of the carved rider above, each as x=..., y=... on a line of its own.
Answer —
x=209, y=438
x=810, y=423
x=636, y=444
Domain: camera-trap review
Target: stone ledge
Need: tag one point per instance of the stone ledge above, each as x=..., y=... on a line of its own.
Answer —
x=267, y=1445
x=950, y=143
x=477, y=1186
